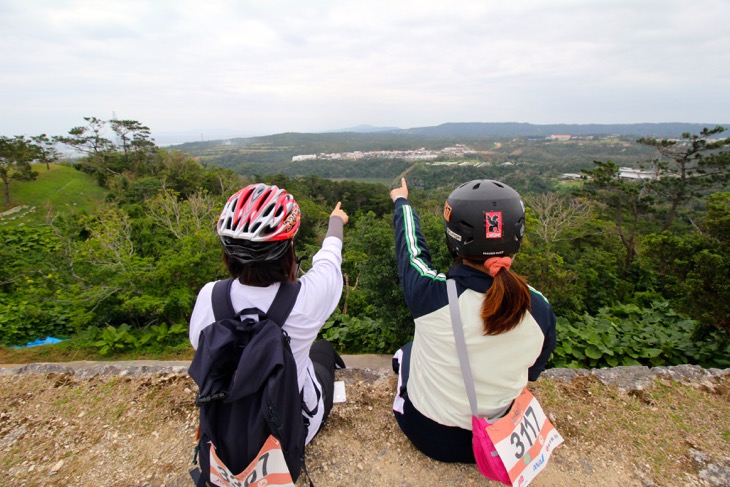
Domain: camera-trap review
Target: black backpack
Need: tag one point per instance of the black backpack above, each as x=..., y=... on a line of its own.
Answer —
x=247, y=380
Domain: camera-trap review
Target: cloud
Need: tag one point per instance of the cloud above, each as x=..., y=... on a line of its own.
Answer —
x=279, y=65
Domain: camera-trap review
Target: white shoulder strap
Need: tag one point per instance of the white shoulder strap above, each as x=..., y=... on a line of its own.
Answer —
x=461, y=344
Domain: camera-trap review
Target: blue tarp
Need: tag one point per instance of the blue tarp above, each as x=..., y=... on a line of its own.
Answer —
x=41, y=341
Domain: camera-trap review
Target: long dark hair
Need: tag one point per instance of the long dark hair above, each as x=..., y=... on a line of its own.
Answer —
x=262, y=274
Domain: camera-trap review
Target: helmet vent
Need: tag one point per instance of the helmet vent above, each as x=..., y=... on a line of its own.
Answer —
x=476, y=186
x=498, y=184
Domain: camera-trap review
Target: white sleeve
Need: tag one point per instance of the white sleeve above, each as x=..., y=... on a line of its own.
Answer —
x=318, y=297
x=202, y=313
x=322, y=284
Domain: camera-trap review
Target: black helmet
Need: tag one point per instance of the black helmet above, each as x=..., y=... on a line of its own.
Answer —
x=484, y=218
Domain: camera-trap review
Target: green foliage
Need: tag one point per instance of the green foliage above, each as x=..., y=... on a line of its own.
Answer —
x=630, y=335
x=116, y=340
x=693, y=268
x=163, y=334
x=687, y=168
x=123, y=340
x=16, y=154
x=626, y=203
x=371, y=275
x=533, y=160
x=33, y=297
x=350, y=334
x=58, y=189
x=22, y=321
x=131, y=258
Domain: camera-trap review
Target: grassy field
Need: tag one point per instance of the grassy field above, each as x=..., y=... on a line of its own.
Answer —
x=385, y=181
x=60, y=188
x=70, y=350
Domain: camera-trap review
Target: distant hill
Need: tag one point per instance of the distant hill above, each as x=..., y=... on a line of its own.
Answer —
x=514, y=129
x=367, y=129
x=366, y=135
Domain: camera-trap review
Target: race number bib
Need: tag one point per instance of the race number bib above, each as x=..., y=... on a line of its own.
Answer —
x=268, y=469
x=524, y=439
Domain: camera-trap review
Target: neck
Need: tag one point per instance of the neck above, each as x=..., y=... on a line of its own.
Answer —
x=479, y=267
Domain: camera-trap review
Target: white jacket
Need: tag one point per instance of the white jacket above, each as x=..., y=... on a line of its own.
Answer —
x=319, y=295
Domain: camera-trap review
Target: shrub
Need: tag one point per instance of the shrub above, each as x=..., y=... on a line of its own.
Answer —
x=630, y=335
x=349, y=334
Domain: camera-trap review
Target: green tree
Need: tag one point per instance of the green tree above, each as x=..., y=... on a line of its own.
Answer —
x=16, y=154
x=688, y=167
x=693, y=268
x=89, y=139
x=371, y=274
x=98, y=150
x=46, y=147
x=135, y=154
x=558, y=218
x=137, y=146
x=625, y=202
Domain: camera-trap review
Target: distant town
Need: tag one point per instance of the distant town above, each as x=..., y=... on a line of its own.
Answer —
x=422, y=154
x=458, y=151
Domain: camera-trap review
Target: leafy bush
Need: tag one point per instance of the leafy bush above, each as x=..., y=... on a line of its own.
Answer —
x=630, y=335
x=23, y=319
x=349, y=334
x=116, y=340
x=163, y=334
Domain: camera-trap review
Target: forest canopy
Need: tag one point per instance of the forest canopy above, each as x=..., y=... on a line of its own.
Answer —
x=635, y=269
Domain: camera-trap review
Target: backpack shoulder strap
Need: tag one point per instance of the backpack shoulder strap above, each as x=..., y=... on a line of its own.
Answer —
x=221, y=298
x=284, y=302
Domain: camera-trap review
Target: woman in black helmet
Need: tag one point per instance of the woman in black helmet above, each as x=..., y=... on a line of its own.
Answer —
x=509, y=327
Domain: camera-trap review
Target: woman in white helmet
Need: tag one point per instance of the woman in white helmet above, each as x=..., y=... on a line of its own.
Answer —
x=509, y=327
x=257, y=228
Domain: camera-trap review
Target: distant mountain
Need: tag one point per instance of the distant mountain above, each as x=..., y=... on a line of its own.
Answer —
x=366, y=129
x=514, y=129
x=175, y=138
x=393, y=137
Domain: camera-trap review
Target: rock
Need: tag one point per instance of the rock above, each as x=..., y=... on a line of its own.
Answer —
x=714, y=472
x=46, y=368
x=626, y=378
x=563, y=375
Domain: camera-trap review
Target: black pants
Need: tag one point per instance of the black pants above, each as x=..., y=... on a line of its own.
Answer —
x=325, y=359
x=442, y=443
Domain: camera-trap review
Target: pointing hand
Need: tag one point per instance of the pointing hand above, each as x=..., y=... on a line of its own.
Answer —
x=398, y=192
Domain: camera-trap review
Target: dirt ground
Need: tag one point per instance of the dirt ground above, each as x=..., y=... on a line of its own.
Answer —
x=59, y=429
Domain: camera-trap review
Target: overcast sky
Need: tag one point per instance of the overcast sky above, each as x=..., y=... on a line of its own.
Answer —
x=244, y=67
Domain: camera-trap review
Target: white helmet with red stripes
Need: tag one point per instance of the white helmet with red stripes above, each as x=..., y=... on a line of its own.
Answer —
x=258, y=223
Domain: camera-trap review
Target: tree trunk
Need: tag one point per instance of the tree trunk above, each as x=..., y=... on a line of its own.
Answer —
x=7, y=192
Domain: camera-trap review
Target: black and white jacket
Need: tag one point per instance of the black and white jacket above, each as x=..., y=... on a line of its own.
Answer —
x=501, y=364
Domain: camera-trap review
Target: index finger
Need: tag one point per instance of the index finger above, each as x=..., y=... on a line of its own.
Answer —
x=339, y=203
x=403, y=182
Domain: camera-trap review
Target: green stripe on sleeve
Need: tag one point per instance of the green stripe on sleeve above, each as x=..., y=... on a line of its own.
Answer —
x=412, y=245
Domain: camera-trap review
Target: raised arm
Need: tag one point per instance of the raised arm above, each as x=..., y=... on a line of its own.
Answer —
x=423, y=286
